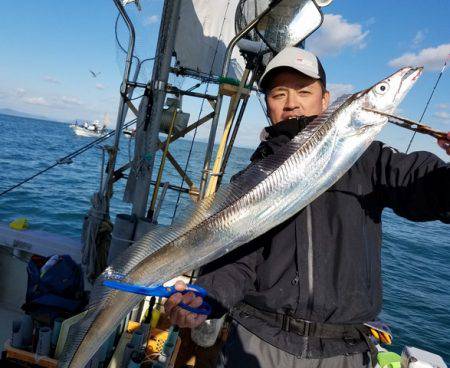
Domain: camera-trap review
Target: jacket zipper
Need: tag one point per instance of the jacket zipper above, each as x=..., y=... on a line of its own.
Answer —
x=310, y=301
x=297, y=274
x=310, y=261
x=366, y=246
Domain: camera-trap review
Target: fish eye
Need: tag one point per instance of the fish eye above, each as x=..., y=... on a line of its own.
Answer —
x=381, y=88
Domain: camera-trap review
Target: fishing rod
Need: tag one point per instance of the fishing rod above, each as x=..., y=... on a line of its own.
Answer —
x=428, y=102
x=68, y=158
x=415, y=126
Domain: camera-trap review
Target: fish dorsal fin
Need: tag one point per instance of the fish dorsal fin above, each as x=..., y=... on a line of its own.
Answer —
x=194, y=215
x=255, y=173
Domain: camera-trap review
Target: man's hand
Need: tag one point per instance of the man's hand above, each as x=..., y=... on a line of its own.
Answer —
x=179, y=316
x=445, y=143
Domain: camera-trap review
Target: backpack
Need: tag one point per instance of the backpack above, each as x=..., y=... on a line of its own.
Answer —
x=55, y=287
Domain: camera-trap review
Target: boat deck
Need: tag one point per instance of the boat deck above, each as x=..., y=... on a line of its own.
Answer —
x=16, y=248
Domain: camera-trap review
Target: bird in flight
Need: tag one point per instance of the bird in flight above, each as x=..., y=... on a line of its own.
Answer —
x=94, y=75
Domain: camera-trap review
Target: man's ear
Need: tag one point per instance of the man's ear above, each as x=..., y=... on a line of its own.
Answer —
x=325, y=100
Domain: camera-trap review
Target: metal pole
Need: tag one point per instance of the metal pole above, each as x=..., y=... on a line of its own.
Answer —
x=215, y=122
x=166, y=41
x=232, y=139
x=107, y=186
x=212, y=185
x=150, y=212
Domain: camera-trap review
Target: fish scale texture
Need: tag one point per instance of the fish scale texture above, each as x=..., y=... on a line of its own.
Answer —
x=255, y=183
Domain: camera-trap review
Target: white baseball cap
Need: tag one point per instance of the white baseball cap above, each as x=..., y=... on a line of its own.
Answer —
x=298, y=59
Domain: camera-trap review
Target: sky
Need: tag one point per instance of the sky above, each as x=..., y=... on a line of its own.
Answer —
x=48, y=49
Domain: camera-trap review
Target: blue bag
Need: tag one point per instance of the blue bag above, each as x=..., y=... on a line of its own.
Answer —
x=55, y=287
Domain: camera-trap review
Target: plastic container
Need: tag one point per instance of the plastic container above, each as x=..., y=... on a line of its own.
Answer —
x=388, y=359
x=56, y=330
x=27, y=330
x=16, y=336
x=417, y=358
x=44, y=341
x=137, y=339
x=129, y=349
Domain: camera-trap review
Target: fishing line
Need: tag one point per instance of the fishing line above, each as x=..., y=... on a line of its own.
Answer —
x=129, y=149
x=118, y=42
x=428, y=102
x=66, y=159
x=200, y=112
x=117, y=37
x=137, y=97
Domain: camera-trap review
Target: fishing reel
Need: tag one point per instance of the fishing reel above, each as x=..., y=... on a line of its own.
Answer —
x=173, y=115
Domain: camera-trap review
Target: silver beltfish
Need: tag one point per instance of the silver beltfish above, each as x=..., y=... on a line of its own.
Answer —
x=264, y=195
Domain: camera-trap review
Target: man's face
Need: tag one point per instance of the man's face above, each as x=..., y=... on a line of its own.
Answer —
x=292, y=94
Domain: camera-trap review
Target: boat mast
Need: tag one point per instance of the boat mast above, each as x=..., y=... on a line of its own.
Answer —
x=206, y=173
x=165, y=48
x=107, y=185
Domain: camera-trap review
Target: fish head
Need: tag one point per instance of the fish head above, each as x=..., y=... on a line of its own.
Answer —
x=387, y=94
x=383, y=96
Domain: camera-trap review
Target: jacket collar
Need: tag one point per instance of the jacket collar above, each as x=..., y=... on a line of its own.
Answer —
x=289, y=128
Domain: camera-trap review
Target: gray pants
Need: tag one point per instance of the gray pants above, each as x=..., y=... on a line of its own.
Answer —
x=244, y=349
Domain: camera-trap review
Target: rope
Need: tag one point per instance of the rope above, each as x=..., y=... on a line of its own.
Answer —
x=66, y=159
x=199, y=114
x=428, y=102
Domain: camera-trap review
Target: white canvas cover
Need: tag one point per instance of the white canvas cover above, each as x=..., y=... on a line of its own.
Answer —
x=205, y=29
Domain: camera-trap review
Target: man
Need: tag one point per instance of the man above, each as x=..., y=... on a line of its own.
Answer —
x=300, y=293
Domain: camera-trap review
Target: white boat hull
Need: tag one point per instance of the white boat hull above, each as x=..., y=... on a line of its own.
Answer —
x=83, y=132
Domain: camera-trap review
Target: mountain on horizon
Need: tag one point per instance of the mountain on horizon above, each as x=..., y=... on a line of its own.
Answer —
x=6, y=111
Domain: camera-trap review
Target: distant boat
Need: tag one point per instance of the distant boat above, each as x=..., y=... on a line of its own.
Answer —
x=86, y=129
x=129, y=133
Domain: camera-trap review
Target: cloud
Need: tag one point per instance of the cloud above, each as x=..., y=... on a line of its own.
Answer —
x=71, y=101
x=335, y=34
x=152, y=19
x=50, y=79
x=419, y=37
x=443, y=106
x=442, y=115
x=20, y=92
x=339, y=89
x=431, y=58
x=100, y=86
x=41, y=101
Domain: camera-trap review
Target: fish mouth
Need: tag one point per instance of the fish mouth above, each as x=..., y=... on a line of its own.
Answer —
x=412, y=73
x=409, y=76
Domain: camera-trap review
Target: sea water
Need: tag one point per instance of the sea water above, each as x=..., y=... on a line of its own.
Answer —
x=416, y=256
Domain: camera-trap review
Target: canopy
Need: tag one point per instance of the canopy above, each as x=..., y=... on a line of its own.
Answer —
x=205, y=29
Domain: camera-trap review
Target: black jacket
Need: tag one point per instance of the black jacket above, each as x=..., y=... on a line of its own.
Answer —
x=323, y=264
